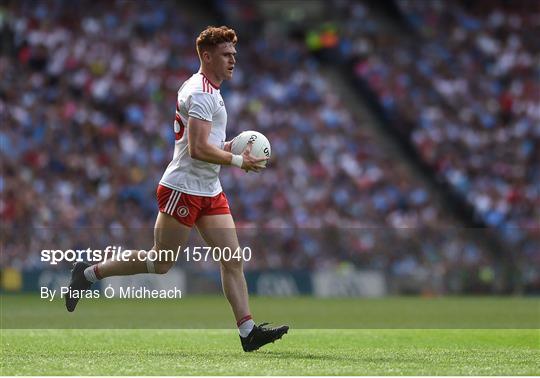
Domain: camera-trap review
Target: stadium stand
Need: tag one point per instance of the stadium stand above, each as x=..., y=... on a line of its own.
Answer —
x=463, y=86
x=88, y=97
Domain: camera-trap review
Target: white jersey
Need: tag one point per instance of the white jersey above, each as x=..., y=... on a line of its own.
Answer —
x=197, y=98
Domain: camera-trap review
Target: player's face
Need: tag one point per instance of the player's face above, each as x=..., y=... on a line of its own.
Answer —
x=223, y=60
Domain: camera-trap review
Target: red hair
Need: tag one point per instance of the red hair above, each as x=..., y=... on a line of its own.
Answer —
x=213, y=36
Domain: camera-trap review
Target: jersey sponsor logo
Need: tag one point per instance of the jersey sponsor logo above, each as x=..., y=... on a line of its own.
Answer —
x=178, y=131
x=182, y=211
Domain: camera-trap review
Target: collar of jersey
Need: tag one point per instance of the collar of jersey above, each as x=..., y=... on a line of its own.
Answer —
x=212, y=84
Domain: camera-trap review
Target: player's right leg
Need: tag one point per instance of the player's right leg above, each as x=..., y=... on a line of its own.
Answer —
x=169, y=234
x=219, y=231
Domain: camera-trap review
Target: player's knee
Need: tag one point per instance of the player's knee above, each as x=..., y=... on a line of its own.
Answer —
x=232, y=266
x=162, y=267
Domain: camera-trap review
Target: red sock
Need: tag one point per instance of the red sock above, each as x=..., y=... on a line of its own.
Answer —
x=243, y=320
x=245, y=325
x=96, y=271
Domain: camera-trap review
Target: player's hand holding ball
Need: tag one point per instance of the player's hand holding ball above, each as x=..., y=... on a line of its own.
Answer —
x=251, y=150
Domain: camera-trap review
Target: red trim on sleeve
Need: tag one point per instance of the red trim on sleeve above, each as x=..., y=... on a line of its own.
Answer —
x=179, y=134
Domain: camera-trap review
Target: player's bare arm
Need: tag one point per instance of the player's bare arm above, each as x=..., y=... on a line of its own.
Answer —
x=200, y=149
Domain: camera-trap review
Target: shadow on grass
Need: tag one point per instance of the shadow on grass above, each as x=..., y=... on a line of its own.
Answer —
x=268, y=355
x=295, y=355
x=209, y=355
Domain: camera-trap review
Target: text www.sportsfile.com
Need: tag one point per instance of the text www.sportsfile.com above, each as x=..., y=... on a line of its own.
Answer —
x=117, y=253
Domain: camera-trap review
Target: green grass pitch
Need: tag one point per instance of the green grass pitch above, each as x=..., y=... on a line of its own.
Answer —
x=424, y=345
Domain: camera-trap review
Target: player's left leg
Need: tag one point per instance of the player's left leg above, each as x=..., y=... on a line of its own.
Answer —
x=219, y=232
x=169, y=234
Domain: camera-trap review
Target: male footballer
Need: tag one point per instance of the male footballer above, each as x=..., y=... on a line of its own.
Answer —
x=190, y=194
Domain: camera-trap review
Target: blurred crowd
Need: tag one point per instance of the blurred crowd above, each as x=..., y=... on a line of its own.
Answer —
x=464, y=85
x=87, y=99
x=86, y=96
x=331, y=172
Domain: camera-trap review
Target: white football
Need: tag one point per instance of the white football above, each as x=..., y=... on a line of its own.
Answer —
x=261, y=146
